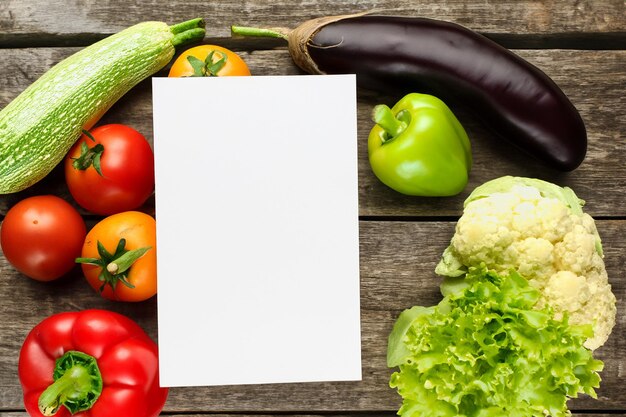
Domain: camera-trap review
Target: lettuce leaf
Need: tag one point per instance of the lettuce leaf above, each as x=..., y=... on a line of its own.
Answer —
x=484, y=351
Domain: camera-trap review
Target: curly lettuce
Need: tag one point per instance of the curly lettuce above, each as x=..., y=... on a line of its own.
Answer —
x=484, y=351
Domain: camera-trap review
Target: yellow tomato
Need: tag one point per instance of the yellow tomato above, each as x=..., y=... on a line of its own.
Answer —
x=208, y=61
x=138, y=232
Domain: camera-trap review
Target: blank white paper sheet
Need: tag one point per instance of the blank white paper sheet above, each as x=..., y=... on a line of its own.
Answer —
x=257, y=229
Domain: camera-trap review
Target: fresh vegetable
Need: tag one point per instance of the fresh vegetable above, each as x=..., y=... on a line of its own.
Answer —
x=41, y=236
x=540, y=230
x=208, y=61
x=484, y=351
x=119, y=257
x=392, y=54
x=419, y=147
x=92, y=363
x=39, y=126
x=110, y=170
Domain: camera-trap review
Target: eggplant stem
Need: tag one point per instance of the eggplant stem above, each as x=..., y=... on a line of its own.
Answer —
x=282, y=33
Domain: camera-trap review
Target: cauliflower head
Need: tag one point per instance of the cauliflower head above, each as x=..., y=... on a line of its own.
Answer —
x=538, y=229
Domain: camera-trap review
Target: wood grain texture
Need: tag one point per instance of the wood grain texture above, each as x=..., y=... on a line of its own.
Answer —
x=397, y=257
x=594, y=80
x=387, y=414
x=60, y=18
x=397, y=263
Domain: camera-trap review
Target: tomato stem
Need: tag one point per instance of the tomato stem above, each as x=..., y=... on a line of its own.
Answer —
x=207, y=68
x=89, y=156
x=115, y=266
x=77, y=384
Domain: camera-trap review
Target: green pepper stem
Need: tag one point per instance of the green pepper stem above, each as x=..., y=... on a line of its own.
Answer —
x=189, y=31
x=282, y=33
x=384, y=117
x=77, y=384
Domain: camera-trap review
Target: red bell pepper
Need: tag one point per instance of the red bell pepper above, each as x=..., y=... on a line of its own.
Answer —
x=93, y=363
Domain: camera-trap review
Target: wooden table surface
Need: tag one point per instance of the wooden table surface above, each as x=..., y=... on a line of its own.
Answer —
x=580, y=44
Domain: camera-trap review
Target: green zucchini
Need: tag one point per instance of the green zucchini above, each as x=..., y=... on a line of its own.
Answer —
x=40, y=125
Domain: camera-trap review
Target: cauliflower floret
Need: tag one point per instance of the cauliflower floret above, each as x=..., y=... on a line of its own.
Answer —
x=575, y=252
x=545, y=218
x=538, y=229
x=566, y=291
x=508, y=230
x=531, y=257
x=582, y=297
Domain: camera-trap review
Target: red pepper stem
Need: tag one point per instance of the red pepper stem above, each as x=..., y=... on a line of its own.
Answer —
x=77, y=384
x=384, y=117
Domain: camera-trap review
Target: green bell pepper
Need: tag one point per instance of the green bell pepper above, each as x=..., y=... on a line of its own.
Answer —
x=419, y=147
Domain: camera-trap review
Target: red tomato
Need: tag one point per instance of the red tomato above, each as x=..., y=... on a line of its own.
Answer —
x=42, y=236
x=127, y=170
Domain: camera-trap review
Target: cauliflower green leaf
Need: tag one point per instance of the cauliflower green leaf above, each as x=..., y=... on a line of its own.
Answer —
x=547, y=190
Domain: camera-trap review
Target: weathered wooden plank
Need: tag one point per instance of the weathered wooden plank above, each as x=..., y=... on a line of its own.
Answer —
x=386, y=414
x=353, y=414
x=397, y=263
x=593, y=79
x=38, y=20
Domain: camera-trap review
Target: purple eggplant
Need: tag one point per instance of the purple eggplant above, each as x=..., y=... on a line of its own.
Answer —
x=398, y=55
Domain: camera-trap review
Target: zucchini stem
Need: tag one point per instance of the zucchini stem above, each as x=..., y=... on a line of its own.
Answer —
x=188, y=31
x=187, y=25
